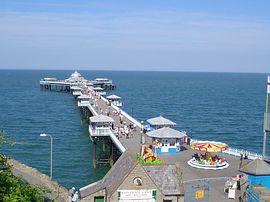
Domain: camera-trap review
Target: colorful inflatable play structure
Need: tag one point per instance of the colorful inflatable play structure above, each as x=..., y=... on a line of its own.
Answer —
x=148, y=154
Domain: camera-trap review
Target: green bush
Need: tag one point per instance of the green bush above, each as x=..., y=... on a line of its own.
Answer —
x=13, y=188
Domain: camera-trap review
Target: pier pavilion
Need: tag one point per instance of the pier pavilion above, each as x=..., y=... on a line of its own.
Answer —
x=75, y=77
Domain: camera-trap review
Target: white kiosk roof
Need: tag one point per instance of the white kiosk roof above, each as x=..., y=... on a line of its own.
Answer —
x=75, y=88
x=84, y=97
x=166, y=132
x=160, y=121
x=97, y=88
x=113, y=97
x=101, y=119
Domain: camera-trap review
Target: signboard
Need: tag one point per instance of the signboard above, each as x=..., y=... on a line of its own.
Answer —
x=136, y=194
x=142, y=200
x=199, y=194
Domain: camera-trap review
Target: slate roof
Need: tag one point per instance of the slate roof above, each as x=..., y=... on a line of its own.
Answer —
x=160, y=121
x=101, y=119
x=166, y=177
x=112, y=180
x=165, y=132
x=256, y=167
x=113, y=97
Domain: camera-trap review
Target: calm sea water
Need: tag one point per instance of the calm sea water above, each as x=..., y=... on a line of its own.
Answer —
x=225, y=107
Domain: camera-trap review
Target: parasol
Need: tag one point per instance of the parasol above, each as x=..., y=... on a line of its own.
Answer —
x=209, y=146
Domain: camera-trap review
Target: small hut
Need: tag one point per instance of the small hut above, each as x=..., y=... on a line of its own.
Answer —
x=100, y=125
x=84, y=100
x=99, y=91
x=159, y=122
x=258, y=172
x=167, y=140
x=114, y=99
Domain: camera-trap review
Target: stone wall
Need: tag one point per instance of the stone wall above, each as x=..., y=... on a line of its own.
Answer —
x=34, y=177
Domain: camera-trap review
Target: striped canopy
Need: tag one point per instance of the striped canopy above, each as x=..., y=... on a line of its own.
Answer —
x=209, y=146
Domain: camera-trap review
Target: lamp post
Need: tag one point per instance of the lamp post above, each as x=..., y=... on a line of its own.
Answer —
x=45, y=135
x=141, y=131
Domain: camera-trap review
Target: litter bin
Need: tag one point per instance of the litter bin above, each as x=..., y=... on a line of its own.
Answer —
x=188, y=141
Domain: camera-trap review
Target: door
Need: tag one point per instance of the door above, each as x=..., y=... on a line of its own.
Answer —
x=99, y=199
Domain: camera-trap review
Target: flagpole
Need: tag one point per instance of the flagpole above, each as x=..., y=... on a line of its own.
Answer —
x=266, y=110
x=265, y=121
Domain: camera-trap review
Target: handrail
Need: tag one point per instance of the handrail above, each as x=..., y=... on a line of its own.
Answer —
x=117, y=142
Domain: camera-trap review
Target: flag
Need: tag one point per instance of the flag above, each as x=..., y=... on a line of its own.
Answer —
x=268, y=85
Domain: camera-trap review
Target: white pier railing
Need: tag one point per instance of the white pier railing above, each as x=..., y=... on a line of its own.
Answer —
x=117, y=142
x=130, y=118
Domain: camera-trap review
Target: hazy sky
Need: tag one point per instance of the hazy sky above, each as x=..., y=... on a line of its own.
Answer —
x=190, y=35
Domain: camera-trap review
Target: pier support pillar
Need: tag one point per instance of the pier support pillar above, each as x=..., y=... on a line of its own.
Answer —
x=111, y=154
x=103, y=146
x=94, y=154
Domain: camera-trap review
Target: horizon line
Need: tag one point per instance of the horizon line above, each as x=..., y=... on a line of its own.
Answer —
x=129, y=70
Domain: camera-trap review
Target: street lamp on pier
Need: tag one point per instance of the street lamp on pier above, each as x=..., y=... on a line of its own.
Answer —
x=141, y=132
x=46, y=135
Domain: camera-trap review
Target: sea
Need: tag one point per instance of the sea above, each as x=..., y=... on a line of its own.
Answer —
x=227, y=107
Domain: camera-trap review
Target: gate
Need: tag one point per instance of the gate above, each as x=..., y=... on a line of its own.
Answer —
x=253, y=196
x=197, y=191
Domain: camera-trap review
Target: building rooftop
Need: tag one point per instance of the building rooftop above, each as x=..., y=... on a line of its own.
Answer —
x=112, y=180
x=101, y=119
x=166, y=177
x=256, y=167
x=165, y=132
x=97, y=88
x=160, y=121
x=113, y=97
x=84, y=97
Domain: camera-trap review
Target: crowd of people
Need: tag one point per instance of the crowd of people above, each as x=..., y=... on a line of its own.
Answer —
x=121, y=129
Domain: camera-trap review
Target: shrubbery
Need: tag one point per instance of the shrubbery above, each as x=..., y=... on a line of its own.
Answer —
x=13, y=188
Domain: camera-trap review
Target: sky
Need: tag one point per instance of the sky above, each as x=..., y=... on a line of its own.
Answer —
x=154, y=35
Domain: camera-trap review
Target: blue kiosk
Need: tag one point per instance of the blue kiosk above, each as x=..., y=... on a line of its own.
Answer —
x=258, y=172
x=167, y=140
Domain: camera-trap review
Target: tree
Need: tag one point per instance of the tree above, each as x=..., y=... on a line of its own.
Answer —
x=13, y=188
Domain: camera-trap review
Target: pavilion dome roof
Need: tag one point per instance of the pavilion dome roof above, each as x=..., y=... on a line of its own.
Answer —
x=75, y=74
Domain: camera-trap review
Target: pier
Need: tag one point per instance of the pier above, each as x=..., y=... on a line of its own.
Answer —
x=106, y=120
